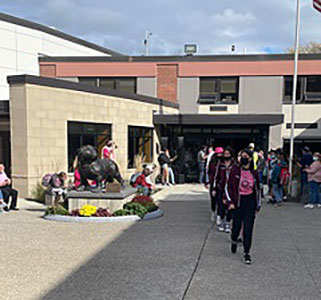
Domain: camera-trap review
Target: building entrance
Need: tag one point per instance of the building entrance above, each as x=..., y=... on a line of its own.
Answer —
x=186, y=141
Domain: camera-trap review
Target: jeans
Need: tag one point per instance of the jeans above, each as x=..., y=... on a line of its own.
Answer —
x=314, y=192
x=145, y=190
x=244, y=216
x=304, y=182
x=171, y=175
x=277, y=191
x=201, y=170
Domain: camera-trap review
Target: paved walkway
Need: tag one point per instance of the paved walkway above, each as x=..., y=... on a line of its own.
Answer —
x=179, y=256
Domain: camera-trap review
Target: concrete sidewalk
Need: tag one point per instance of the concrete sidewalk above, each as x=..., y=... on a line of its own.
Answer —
x=179, y=256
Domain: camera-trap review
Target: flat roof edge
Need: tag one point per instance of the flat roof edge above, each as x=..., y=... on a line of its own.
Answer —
x=64, y=84
x=57, y=33
x=226, y=119
x=183, y=58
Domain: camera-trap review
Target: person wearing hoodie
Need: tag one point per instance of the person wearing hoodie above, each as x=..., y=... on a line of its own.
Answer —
x=314, y=179
x=213, y=181
x=224, y=213
x=244, y=199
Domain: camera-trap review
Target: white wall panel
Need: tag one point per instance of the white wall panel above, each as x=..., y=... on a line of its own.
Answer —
x=7, y=38
x=28, y=62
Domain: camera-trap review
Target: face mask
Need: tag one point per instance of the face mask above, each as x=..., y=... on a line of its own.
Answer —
x=273, y=156
x=315, y=158
x=244, y=161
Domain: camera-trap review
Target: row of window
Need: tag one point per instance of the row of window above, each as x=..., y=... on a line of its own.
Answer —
x=124, y=84
x=220, y=90
x=140, y=140
x=226, y=90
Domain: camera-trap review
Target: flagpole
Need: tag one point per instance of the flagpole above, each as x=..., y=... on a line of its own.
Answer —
x=295, y=82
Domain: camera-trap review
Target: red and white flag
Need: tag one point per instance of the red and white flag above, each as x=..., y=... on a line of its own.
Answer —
x=317, y=5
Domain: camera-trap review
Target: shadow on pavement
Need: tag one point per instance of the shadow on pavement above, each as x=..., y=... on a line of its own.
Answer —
x=151, y=260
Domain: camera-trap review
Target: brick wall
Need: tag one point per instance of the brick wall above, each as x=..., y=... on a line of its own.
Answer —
x=48, y=70
x=167, y=82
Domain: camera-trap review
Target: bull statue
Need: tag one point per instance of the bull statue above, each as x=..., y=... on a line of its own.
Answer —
x=92, y=168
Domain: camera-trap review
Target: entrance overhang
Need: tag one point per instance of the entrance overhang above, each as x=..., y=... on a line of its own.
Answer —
x=224, y=119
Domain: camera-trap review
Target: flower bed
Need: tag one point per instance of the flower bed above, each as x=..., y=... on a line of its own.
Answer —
x=141, y=207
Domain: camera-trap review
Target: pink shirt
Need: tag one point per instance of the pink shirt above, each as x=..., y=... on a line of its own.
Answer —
x=3, y=177
x=246, y=183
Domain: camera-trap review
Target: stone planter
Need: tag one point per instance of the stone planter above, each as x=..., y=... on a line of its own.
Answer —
x=59, y=218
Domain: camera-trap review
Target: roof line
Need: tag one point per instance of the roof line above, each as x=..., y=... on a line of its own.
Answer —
x=181, y=58
x=57, y=33
x=64, y=84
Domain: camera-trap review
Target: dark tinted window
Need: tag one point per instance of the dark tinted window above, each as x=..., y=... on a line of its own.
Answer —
x=218, y=90
x=140, y=143
x=80, y=134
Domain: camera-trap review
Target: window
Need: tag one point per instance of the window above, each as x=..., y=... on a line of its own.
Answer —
x=222, y=90
x=88, y=81
x=124, y=84
x=80, y=134
x=140, y=142
x=308, y=89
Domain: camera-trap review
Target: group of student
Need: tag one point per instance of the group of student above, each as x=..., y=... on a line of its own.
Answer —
x=234, y=188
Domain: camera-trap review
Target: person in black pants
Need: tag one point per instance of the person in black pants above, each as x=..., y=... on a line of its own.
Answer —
x=214, y=170
x=223, y=211
x=7, y=190
x=244, y=198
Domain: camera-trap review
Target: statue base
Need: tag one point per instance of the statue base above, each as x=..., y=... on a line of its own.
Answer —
x=111, y=200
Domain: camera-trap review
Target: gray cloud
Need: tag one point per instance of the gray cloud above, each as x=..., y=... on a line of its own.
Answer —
x=254, y=25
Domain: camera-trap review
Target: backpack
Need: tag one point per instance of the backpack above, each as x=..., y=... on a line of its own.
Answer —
x=284, y=176
x=133, y=178
x=46, y=180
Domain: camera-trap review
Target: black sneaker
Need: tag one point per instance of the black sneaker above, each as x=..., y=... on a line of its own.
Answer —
x=233, y=247
x=247, y=259
x=6, y=208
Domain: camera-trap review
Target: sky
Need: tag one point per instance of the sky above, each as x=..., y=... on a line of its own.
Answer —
x=253, y=26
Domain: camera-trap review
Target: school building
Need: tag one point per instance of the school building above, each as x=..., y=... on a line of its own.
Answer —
x=80, y=93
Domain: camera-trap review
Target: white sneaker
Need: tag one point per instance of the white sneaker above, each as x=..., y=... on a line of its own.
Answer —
x=220, y=227
x=227, y=228
x=309, y=206
x=213, y=218
x=218, y=221
x=319, y=205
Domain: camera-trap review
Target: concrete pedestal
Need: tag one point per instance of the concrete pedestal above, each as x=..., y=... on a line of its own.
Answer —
x=112, y=201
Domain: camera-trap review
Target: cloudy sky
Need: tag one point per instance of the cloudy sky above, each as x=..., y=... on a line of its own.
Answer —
x=254, y=26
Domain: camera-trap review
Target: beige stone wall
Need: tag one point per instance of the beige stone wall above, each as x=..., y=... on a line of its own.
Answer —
x=39, y=118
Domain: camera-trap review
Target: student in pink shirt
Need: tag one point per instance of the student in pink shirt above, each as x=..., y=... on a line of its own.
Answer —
x=244, y=198
x=108, y=151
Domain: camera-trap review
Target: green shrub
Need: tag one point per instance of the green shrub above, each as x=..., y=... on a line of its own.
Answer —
x=122, y=212
x=38, y=193
x=146, y=201
x=56, y=210
x=136, y=209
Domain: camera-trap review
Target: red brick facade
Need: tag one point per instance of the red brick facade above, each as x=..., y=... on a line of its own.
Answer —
x=167, y=82
x=48, y=70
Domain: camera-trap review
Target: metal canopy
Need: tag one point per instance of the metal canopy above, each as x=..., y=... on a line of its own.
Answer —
x=224, y=119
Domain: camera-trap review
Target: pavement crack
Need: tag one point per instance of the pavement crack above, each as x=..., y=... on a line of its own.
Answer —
x=198, y=261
